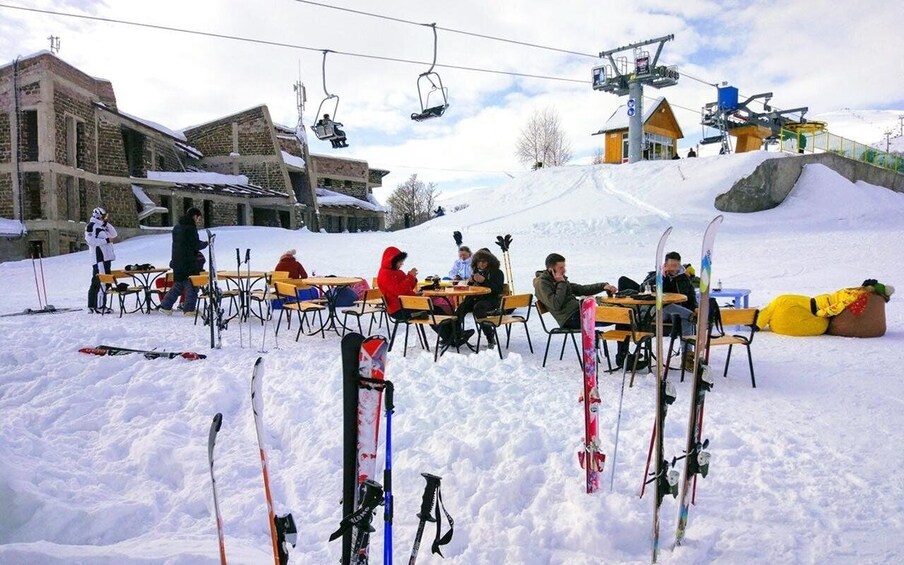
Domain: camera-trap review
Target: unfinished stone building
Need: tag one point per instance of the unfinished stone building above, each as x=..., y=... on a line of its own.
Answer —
x=66, y=147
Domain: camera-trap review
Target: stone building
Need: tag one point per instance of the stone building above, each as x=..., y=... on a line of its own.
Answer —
x=66, y=147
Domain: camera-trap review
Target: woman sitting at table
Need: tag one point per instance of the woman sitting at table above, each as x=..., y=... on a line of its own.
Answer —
x=485, y=272
x=393, y=282
x=288, y=263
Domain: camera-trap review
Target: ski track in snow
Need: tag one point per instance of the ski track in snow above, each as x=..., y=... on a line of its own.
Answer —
x=103, y=460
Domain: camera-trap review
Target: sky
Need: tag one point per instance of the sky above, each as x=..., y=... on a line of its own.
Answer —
x=826, y=56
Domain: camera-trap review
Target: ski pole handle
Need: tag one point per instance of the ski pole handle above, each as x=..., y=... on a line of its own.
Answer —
x=429, y=498
x=238, y=257
x=247, y=255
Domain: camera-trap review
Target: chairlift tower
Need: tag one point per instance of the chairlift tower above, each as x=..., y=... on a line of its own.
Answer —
x=616, y=79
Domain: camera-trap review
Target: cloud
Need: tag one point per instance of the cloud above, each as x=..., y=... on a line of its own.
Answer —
x=807, y=52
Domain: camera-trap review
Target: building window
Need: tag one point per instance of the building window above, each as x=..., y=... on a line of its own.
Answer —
x=31, y=185
x=166, y=217
x=240, y=211
x=658, y=147
x=28, y=135
x=82, y=199
x=187, y=203
x=72, y=200
x=208, y=213
x=161, y=163
x=625, y=146
x=353, y=224
x=71, y=141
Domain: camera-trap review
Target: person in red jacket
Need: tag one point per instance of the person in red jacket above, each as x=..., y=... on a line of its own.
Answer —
x=288, y=262
x=394, y=282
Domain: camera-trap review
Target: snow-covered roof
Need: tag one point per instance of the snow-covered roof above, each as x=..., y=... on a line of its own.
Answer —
x=619, y=118
x=293, y=161
x=197, y=177
x=328, y=198
x=11, y=228
x=154, y=125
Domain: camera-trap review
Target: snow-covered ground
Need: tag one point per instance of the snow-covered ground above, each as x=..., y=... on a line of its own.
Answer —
x=103, y=460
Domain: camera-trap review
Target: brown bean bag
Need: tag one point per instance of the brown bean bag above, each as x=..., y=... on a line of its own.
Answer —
x=870, y=322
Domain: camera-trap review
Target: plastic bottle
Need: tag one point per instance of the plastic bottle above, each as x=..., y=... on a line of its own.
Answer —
x=718, y=284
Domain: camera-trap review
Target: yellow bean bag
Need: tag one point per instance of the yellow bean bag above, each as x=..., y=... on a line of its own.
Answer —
x=789, y=314
x=869, y=322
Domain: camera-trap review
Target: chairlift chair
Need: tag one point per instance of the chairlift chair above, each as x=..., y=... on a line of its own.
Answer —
x=434, y=98
x=326, y=132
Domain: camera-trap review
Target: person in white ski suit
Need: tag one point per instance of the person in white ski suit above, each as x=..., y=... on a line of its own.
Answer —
x=99, y=233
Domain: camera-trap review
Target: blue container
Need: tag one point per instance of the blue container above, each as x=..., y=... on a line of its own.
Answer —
x=728, y=98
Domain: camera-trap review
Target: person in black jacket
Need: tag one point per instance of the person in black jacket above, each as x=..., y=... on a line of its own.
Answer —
x=186, y=245
x=485, y=272
x=675, y=279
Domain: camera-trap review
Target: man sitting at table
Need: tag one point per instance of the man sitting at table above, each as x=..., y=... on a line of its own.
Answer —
x=559, y=296
x=675, y=279
x=288, y=263
x=461, y=268
x=486, y=273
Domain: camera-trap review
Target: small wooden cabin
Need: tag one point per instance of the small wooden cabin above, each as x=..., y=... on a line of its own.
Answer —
x=661, y=133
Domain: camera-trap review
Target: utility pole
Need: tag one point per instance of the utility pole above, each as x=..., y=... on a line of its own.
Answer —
x=888, y=134
x=615, y=78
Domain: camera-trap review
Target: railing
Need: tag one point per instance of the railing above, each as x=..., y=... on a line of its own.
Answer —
x=825, y=142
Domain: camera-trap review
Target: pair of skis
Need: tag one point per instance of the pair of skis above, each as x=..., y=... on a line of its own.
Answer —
x=664, y=477
x=214, y=297
x=110, y=351
x=282, y=528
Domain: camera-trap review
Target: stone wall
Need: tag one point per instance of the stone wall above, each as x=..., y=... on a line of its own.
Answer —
x=119, y=203
x=67, y=103
x=6, y=196
x=772, y=181
x=331, y=167
x=110, y=148
x=6, y=138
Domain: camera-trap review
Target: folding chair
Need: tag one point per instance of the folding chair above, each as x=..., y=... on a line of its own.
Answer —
x=509, y=303
x=292, y=303
x=734, y=317
x=417, y=305
x=371, y=304
x=263, y=297
x=565, y=332
x=111, y=281
x=625, y=316
x=202, y=283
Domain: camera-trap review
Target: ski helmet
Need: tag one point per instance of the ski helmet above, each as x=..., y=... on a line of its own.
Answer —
x=98, y=213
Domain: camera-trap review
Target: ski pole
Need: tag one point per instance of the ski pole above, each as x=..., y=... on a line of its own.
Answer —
x=43, y=281
x=238, y=270
x=427, y=502
x=618, y=424
x=211, y=441
x=248, y=293
x=387, y=477
x=37, y=288
x=646, y=469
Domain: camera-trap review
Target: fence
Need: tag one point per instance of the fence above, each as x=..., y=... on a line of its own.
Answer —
x=825, y=142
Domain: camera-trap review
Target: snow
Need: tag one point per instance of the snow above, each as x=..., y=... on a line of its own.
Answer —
x=197, y=178
x=619, y=118
x=327, y=197
x=103, y=460
x=293, y=161
x=11, y=227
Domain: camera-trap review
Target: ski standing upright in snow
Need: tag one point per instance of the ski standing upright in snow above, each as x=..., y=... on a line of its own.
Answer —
x=282, y=528
x=591, y=457
x=664, y=397
x=214, y=309
x=211, y=442
x=696, y=460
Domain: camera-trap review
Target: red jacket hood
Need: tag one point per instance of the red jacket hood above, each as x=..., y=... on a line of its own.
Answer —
x=388, y=255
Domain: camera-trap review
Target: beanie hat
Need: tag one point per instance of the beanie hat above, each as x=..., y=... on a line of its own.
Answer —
x=98, y=213
x=288, y=253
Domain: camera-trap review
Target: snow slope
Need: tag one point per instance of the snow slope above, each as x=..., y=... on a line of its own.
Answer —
x=103, y=460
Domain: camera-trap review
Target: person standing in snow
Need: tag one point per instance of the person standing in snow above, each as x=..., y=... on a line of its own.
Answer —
x=186, y=245
x=99, y=233
x=461, y=268
x=559, y=296
x=288, y=263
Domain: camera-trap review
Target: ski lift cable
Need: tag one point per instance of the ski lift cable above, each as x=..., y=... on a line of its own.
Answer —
x=300, y=47
x=287, y=45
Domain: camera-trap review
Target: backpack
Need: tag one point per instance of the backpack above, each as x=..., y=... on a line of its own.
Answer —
x=715, y=318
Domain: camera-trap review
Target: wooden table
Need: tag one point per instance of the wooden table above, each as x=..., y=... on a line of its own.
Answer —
x=332, y=321
x=631, y=302
x=244, y=280
x=145, y=279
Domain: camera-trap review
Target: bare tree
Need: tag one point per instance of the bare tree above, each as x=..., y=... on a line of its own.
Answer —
x=599, y=157
x=413, y=198
x=542, y=142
